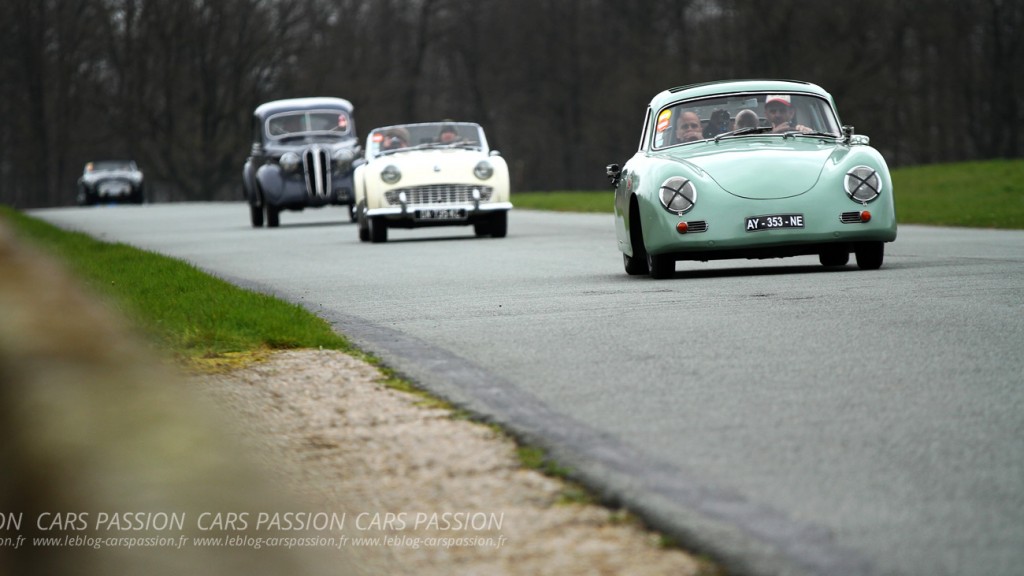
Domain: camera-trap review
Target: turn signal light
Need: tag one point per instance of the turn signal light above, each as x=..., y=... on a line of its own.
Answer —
x=865, y=216
x=682, y=227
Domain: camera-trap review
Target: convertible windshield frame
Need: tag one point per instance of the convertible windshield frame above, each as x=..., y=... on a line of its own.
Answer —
x=425, y=136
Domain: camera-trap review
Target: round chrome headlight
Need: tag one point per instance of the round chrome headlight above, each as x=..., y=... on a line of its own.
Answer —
x=483, y=170
x=863, y=184
x=344, y=156
x=289, y=161
x=390, y=174
x=678, y=195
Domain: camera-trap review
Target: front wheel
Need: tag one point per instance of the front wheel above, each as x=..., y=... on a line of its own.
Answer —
x=378, y=230
x=661, y=266
x=634, y=265
x=834, y=257
x=273, y=216
x=256, y=215
x=870, y=255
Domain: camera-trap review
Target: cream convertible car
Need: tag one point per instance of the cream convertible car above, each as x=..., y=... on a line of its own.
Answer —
x=431, y=174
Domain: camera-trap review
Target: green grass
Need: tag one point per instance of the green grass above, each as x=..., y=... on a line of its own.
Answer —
x=193, y=314
x=986, y=194
x=977, y=194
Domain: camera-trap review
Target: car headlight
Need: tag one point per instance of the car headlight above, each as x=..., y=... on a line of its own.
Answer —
x=863, y=184
x=390, y=174
x=289, y=161
x=344, y=156
x=483, y=170
x=678, y=195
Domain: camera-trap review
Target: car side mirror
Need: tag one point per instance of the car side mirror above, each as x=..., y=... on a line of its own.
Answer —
x=614, y=172
x=854, y=139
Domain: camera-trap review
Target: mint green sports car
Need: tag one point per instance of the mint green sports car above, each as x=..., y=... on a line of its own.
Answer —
x=750, y=169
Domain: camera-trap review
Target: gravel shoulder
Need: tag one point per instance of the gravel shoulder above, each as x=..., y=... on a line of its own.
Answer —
x=409, y=473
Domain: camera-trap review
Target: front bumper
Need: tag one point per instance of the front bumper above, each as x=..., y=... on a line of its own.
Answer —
x=721, y=232
x=408, y=211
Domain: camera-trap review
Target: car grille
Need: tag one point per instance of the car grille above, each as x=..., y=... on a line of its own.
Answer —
x=850, y=217
x=438, y=194
x=316, y=164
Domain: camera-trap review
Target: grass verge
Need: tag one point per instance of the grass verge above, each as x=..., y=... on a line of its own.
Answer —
x=987, y=194
x=206, y=321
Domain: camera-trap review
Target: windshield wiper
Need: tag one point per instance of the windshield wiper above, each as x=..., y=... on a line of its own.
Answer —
x=818, y=134
x=742, y=131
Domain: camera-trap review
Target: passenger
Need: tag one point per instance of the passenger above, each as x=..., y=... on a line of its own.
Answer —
x=688, y=128
x=779, y=110
x=395, y=138
x=747, y=119
x=718, y=123
x=448, y=134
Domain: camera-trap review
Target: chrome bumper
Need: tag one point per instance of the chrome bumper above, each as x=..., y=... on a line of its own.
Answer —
x=409, y=209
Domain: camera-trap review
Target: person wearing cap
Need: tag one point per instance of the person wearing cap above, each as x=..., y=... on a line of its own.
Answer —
x=779, y=110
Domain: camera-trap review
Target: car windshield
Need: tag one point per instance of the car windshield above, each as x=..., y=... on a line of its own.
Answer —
x=740, y=115
x=303, y=123
x=429, y=135
x=109, y=165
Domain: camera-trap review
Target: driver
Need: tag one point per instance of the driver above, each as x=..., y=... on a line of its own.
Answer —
x=779, y=110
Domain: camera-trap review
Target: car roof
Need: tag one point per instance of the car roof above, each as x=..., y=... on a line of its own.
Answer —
x=312, y=103
x=733, y=86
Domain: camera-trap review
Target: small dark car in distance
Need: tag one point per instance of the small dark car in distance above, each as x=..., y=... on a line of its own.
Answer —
x=304, y=151
x=104, y=181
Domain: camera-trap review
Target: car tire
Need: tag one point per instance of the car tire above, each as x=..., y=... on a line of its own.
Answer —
x=834, y=257
x=635, y=266
x=637, y=263
x=499, y=225
x=352, y=213
x=482, y=228
x=273, y=216
x=378, y=230
x=256, y=215
x=661, y=266
x=870, y=255
x=362, y=224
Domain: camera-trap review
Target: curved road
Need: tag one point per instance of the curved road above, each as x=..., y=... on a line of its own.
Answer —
x=785, y=418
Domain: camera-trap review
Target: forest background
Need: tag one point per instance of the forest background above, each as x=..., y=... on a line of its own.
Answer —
x=560, y=85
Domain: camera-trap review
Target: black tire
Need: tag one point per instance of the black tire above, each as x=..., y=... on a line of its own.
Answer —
x=637, y=263
x=482, y=228
x=661, y=266
x=352, y=213
x=362, y=224
x=273, y=216
x=834, y=257
x=378, y=230
x=635, y=266
x=256, y=215
x=870, y=255
x=499, y=225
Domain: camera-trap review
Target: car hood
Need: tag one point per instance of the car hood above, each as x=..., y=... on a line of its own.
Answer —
x=760, y=169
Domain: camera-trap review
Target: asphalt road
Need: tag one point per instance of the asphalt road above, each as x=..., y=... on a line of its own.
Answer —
x=791, y=418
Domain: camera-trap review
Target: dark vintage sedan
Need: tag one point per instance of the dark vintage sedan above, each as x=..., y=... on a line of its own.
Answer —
x=108, y=181
x=304, y=151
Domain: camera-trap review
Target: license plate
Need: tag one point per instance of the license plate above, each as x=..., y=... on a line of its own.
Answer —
x=755, y=223
x=441, y=214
